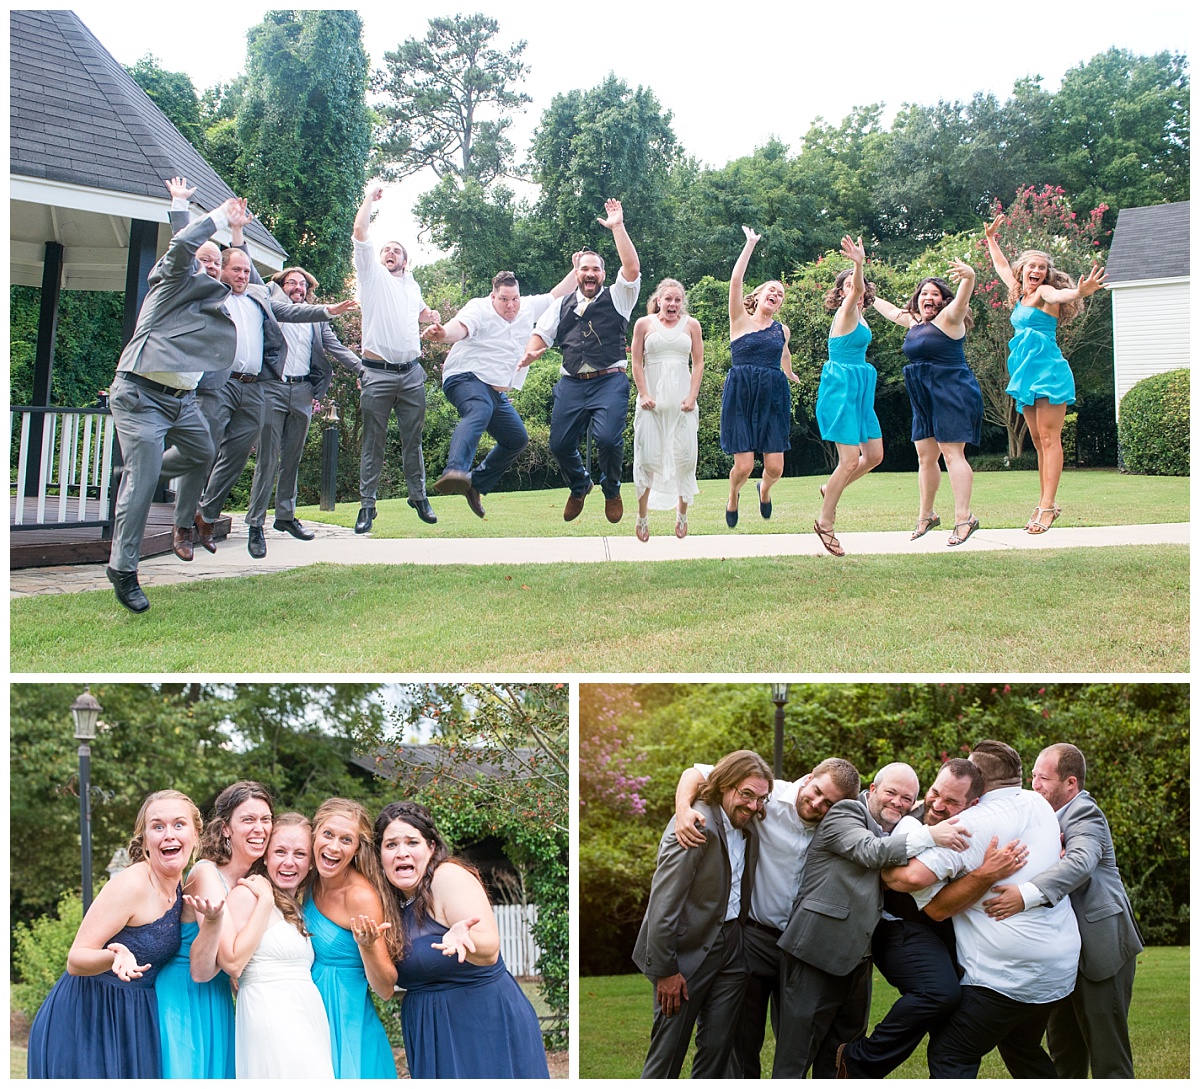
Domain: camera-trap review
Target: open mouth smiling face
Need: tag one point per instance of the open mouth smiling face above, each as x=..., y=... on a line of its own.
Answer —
x=250, y=828
x=289, y=857
x=335, y=841
x=170, y=836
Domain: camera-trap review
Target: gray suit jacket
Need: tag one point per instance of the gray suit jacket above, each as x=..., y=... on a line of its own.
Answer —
x=183, y=325
x=326, y=350
x=1088, y=873
x=688, y=899
x=841, y=895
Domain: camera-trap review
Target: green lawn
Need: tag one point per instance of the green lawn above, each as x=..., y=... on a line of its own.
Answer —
x=1091, y=610
x=615, y=1011
x=880, y=501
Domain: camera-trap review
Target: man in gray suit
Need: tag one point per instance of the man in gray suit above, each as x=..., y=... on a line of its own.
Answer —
x=307, y=372
x=182, y=329
x=1091, y=1025
x=826, y=972
x=690, y=943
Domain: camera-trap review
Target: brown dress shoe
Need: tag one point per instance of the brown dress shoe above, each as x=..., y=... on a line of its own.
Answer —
x=474, y=501
x=181, y=542
x=453, y=482
x=614, y=509
x=574, y=507
x=204, y=533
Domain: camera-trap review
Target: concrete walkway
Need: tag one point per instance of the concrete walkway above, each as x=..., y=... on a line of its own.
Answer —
x=339, y=545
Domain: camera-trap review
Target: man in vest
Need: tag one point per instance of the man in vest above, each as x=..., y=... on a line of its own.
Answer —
x=589, y=326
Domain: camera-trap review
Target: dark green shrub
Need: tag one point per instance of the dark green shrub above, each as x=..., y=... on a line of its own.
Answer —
x=996, y=463
x=1154, y=430
x=40, y=953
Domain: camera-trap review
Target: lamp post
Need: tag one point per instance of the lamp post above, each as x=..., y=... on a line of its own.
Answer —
x=779, y=691
x=85, y=711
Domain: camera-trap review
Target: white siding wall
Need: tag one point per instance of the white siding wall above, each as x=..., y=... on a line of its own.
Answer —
x=517, y=947
x=1151, y=331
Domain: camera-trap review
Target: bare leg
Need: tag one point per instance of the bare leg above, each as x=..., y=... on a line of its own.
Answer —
x=743, y=466
x=961, y=478
x=681, y=518
x=929, y=475
x=853, y=462
x=1049, y=424
x=644, y=503
x=772, y=471
x=1030, y=412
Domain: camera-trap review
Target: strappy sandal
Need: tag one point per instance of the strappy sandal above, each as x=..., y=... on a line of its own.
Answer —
x=642, y=529
x=763, y=508
x=930, y=523
x=972, y=524
x=680, y=525
x=1034, y=526
x=828, y=540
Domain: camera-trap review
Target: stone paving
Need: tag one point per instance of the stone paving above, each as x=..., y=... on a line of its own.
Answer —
x=333, y=545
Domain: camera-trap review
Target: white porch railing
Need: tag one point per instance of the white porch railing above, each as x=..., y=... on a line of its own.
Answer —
x=74, y=466
x=517, y=947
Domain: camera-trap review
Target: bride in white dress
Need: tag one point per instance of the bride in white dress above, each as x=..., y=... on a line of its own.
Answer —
x=282, y=1030
x=665, y=428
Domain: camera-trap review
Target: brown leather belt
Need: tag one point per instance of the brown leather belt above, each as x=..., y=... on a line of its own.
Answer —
x=596, y=374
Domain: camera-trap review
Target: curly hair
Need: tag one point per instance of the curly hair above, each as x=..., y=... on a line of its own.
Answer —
x=310, y=294
x=835, y=295
x=652, y=306
x=750, y=302
x=137, y=845
x=416, y=815
x=1055, y=277
x=945, y=290
x=288, y=903
x=214, y=845
x=729, y=771
x=366, y=859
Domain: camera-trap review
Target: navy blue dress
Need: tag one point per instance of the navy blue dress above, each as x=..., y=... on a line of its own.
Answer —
x=756, y=404
x=101, y=1026
x=947, y=403
x=464, y=1020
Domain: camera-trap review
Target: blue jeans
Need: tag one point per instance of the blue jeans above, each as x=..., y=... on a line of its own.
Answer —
x=483, y=408
x=604, y=403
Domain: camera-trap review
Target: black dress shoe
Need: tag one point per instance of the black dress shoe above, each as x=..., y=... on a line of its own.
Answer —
x=257, y=545
x=474, y=501
x=366, y=516
x=424, y=510
x=290, y=525
x=129, y=593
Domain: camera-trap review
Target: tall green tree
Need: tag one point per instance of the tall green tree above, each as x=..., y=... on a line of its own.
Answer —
x=449, y=100
x=304, y=131
x=174, y=94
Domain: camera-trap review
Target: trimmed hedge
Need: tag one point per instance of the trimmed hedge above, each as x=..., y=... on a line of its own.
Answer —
x=1154, y=428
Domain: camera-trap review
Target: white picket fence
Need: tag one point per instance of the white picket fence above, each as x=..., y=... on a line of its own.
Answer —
x=517, y=947
x=77, y=448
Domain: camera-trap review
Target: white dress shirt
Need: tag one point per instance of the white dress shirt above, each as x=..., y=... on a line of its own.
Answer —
x=624, y=299
x=1029, y=957
x=494, y=346
x=735, y=840
x=391, y=306
x=299, y=348
x=248, y=318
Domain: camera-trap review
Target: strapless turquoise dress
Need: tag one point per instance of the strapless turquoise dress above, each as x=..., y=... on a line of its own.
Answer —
x=1036, y=368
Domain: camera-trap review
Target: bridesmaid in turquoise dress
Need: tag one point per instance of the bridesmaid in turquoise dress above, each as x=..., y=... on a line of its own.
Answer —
x=355, y=938
x=463, y=1015
x=100, y=1020
x=195, y=999
x=846, y=395
x=1040, y=381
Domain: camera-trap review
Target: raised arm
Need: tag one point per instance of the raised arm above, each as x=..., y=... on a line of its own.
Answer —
x=999, y=261
x=614, y=220
x=362, y=220
x=689, y=823
x=569, y=282
x=950, y=319
x=846, y=319
x=1089, y=285
x=892, y=312
x=737, y=277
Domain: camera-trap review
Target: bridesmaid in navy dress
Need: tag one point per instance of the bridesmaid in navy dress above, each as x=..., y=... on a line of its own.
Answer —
x=756, y=407
x=101, y=1018
x=463, y=1015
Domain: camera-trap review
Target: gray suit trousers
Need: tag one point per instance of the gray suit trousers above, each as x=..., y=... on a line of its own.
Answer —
x=713, y=1006
x=145, y=420
x=235, y=417
x=1091, y=1027
x=280, y=447
x=818, y=1011
x=383, y=391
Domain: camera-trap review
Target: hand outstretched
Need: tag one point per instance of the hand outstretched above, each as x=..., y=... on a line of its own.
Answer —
x=615, y=216
x=435, y=332
x=1092, y=282
x=750, y=234
x=854, y=250
x=990, y=229
x=336, y=309
x=366, y=930
x=125, y=965
x=457, y=940
x=960, y=271
x=204, y=907
x=178, y=187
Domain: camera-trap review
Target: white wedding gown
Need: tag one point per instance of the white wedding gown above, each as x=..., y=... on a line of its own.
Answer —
x=282, y=1031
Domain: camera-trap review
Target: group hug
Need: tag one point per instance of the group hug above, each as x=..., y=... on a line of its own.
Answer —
x=258, y=959
x=998, y=913
x=220, y=365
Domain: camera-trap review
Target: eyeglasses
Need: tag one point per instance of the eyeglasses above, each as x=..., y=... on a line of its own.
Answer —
x=749, y=796
x=295, y=283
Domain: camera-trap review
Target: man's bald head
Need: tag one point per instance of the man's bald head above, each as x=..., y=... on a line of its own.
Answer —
x=209, y=255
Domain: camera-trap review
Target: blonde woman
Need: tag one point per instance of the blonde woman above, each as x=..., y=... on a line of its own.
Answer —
x=354, y=936
x=665, y=427
x=756, y=406
x=1040, y=381
x=100, y=1020
x=282, y=1031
